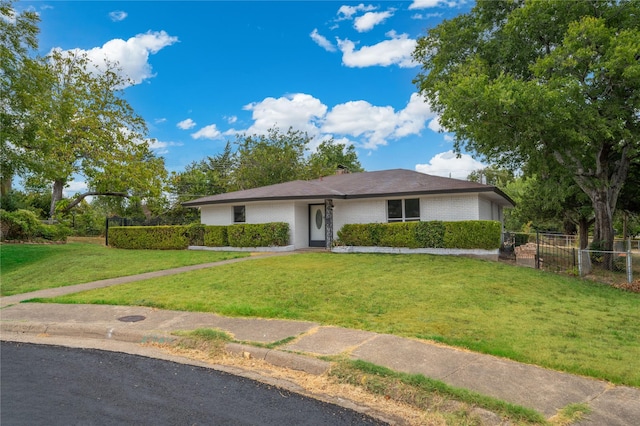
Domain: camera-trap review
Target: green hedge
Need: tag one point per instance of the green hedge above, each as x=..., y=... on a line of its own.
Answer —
x=472, y=234
x=179, y=237
x=215, y=236
x=24, y=225
x=149, y=237
x=258, y=235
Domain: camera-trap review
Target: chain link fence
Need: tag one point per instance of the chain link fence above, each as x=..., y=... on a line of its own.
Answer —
x=562, y=253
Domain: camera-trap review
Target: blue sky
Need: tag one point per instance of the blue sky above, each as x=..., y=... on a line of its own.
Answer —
x=205, y=71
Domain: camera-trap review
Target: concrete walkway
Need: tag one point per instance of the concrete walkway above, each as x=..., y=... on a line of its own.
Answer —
x=543, y=390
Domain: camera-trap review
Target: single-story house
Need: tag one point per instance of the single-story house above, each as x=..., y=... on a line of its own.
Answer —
x=316, y=209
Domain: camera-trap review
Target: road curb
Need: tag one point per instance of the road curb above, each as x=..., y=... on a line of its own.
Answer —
x=272, y=356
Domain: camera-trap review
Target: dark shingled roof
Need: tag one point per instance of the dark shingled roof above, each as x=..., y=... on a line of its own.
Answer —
x=385, y=183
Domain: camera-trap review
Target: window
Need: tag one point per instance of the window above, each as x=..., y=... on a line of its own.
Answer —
x=239, y=214
x=403, y=210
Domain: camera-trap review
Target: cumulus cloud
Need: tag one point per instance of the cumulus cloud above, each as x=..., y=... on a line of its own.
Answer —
x=395, y=51
x=322, y=41
x=370, y=19
x=347, y=12
x=356, y=122
x=299, y=110
x=132, y=55
x=447, y=164
x=375, y=125
x=118, y=15
x=186, y=124
x=435, y=125
x=231, y=119
x=207, y=132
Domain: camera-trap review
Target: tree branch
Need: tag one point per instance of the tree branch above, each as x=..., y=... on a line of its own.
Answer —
x=81, y=197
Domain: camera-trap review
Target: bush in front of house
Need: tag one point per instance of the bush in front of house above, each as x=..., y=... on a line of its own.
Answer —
x=150, y=237
x=271, y=234
x=24, y=225
x=472, y=234
x=215, y=236
x=179, y=237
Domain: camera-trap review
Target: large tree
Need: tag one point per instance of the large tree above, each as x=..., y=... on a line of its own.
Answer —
x=82, y=126
x=18, y=40
x=329, y=156
x=528, y=83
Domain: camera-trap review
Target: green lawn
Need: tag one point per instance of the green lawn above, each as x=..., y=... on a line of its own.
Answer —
x=30, y=267
x=530, y=316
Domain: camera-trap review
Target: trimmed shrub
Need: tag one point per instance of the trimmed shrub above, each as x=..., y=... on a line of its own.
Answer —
x=430, y=234
x=195, y=233
x=215, y=236
x=149, y=237
x=401, y=234
x=258, y=235
x=473, y=234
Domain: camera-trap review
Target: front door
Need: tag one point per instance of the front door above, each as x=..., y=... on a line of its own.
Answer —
x=316, y=225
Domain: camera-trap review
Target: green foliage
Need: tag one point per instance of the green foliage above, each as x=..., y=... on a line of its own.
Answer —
x=215, y=236
x=550, y=86
x=149, y=237
x=329, y=155
x=195, y=233
x=472, y=234
x=24, y=225
x=401, y=234
x=179, y=237
x=430, y=234
x=258, y=235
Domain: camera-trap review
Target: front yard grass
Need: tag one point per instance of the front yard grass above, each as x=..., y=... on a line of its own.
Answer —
x=530, y=316
x=30, y=267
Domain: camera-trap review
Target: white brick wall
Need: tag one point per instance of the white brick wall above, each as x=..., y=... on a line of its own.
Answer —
x=358, y=211
x=449, y=207
x=216, y=215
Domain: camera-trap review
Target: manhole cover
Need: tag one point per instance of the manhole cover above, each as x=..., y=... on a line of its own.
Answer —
x=132, y=318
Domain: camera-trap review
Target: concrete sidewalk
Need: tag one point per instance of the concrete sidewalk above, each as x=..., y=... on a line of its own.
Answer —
x=544, y=390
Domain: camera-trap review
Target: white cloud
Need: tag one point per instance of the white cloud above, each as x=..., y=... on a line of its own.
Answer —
x=322, y=41
x=359, y=122
x=118, y=15
x=425, y=4
x=207, y=132
x=435, y=125
x=75, y=187
x=186, y=124
x=397, y=50
x=346, y=12
x=376, y=125
x=447, y=164
x=161, y=148
x=231, y=119
x=370, y=19
x=132, y=56
x=160, y=120
x=300, y=111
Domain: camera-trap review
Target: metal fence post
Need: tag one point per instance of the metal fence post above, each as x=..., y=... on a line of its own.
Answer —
x=537, y=250
x=580, y=262
x=629, y=264
x=106, y=231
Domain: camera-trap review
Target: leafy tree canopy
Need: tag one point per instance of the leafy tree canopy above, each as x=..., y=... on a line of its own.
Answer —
x=530, y=83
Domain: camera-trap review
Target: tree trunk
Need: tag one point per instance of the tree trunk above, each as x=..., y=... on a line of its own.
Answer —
x=583, y=229
x=603, y=232
x=5, y=185
x=56, y=195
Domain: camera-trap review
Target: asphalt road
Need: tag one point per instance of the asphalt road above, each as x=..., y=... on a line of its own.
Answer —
x=53, y=385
